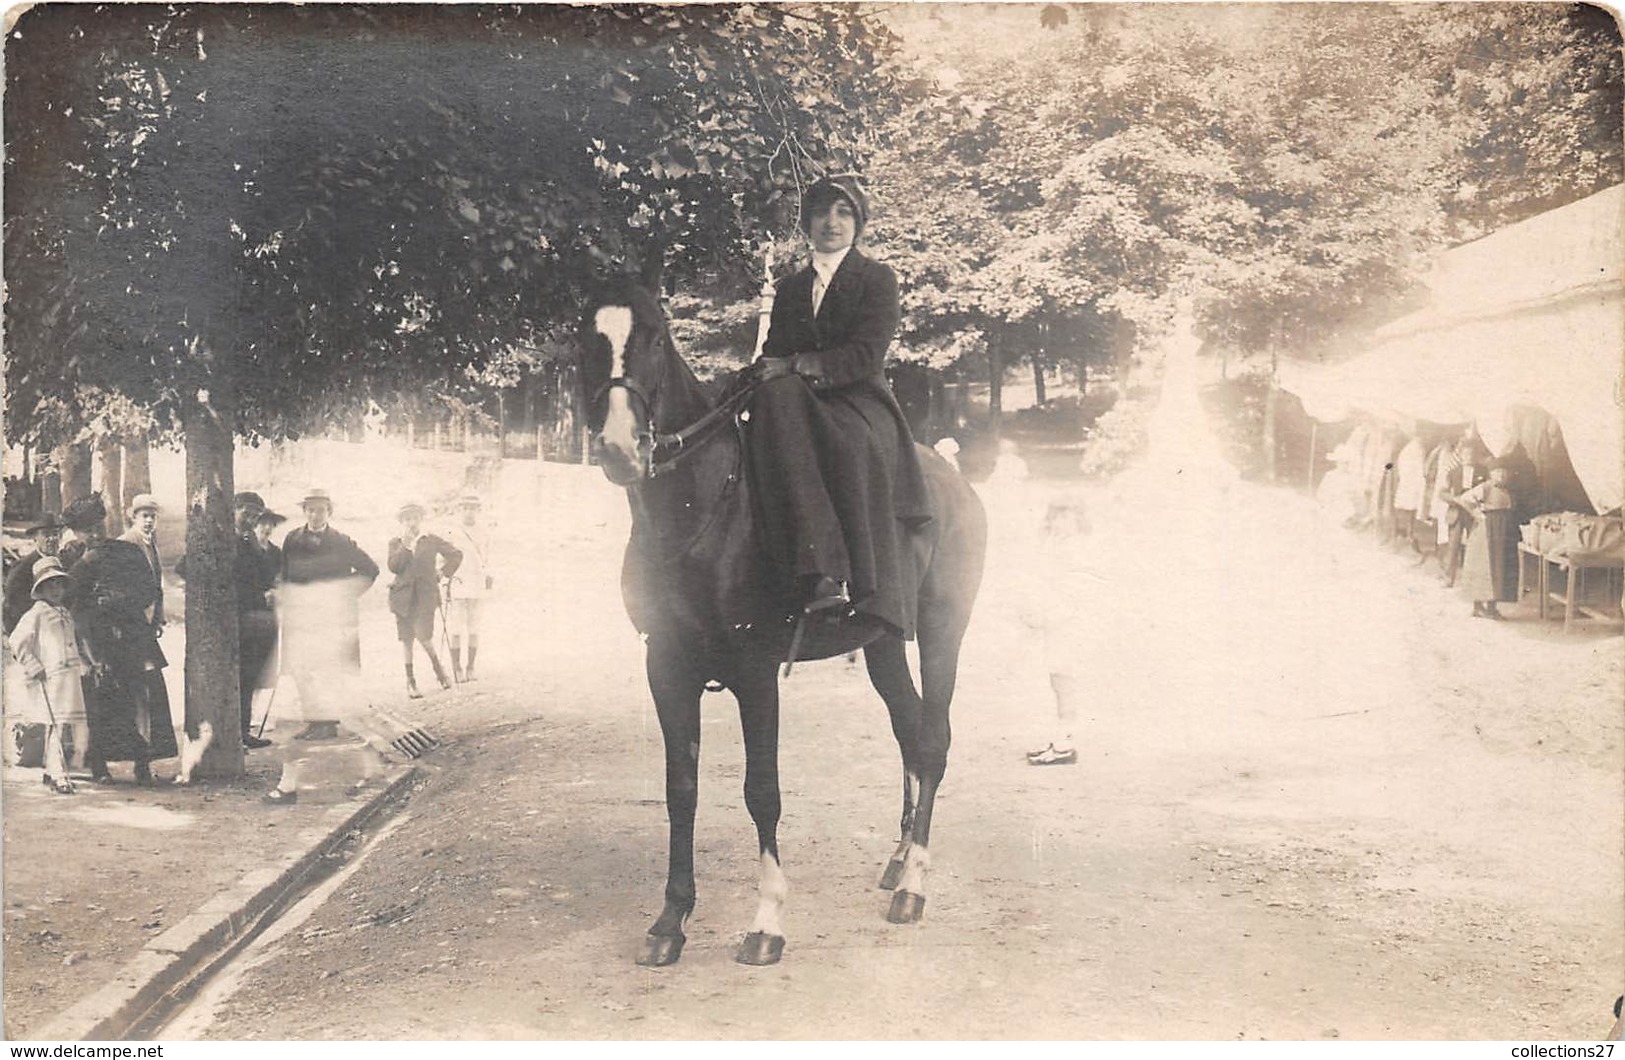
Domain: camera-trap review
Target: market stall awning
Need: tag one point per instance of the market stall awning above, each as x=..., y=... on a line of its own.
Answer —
x=1509, y=327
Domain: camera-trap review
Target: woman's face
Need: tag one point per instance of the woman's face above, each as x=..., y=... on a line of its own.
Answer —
x=833, y=227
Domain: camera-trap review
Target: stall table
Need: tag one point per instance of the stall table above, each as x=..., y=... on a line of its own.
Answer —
x=1568, y=586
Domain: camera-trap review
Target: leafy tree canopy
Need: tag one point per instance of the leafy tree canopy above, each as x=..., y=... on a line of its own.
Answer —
x=1290, y=163
x=291, y=208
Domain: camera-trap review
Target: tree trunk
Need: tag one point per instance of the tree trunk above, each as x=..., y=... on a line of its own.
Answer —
x=995, y=385
x=211, y=589
x=137, y=468
x=1038, y=383
x=73, y=460
x=111, y=452
x=1269, y=431
x=502, y=427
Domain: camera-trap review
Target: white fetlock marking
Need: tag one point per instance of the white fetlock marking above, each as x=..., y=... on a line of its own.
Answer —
x=915, y=865
x=913, y=782
x=771, y=891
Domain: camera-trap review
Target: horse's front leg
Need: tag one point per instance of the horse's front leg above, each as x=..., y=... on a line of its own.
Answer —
x=676, y=686
x=757, y=690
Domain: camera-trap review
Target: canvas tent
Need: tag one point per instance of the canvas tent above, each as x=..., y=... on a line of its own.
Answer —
x=1531, y=315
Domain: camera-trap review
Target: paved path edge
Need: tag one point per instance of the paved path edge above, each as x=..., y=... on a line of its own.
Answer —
x=180, y=952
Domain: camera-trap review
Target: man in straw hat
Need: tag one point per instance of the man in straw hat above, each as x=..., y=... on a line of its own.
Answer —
x=832, y=459
x=324, y=574
x=46, y=536
x=46, y=648
x=143, y=533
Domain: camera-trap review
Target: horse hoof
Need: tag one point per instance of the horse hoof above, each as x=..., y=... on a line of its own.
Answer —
x=661, y=950
x=892, y=876
x=759, y=949
x=906, y=908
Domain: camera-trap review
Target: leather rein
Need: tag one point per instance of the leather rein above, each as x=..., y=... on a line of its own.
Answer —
x=666, y=450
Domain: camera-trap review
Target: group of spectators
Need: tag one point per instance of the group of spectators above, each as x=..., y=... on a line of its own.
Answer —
x=83, y=620
x=1443, y=497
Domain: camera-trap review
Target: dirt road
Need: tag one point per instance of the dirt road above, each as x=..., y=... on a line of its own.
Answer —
x=1314, y=800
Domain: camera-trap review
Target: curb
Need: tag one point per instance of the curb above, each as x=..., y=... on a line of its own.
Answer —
x=174, y=957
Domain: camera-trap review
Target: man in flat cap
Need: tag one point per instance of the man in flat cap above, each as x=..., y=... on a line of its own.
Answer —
x=419, y=560
x=832, y=459
x=46, y=536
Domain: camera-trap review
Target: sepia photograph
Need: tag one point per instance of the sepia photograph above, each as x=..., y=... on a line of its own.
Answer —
x=808, y=521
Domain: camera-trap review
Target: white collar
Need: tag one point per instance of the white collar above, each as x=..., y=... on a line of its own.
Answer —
x=826, y=264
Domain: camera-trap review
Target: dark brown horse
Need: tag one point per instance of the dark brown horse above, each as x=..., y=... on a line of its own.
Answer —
x=696, y=585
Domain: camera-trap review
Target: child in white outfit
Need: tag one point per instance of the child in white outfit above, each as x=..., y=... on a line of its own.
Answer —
x=46, y=648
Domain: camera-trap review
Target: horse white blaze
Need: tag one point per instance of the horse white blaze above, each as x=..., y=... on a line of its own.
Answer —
x=771, y=892
x=915, y=865
x=614, y=322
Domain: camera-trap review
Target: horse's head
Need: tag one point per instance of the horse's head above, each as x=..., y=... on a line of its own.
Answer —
x=625, y=353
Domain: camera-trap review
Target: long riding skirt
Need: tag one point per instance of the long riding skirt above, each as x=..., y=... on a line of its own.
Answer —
x=824, y=472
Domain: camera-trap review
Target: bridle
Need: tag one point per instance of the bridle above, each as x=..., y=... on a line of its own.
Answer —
x=666, y=450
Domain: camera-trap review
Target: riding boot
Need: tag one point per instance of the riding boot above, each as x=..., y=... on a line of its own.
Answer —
x=468, y=672
x=412, y=684
x=457, y=662
x=143, y=774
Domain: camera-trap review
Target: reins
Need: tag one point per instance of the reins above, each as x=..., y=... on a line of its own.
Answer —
x=667, y=449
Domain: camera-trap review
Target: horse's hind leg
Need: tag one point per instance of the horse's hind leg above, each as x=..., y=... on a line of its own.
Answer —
x=939, y=667
x=676, y=688
x=888, y=672
x=758, y=695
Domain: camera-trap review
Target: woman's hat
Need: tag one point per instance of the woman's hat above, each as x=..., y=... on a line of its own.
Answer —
x=409, y=508
x=47, y=568
x=248, y=499
x=266, y=515
x=144, y=502
x=86, y=513
x=827, y=190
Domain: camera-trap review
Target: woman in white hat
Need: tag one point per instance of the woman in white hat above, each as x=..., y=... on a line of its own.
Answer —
x=46, y=648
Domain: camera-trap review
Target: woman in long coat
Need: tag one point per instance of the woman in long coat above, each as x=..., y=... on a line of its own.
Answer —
x=1489, y=569
x=832, y=460
x=115, y=599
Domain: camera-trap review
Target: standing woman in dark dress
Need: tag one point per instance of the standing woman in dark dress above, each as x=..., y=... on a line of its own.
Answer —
x=117, y=604
x=259, y=564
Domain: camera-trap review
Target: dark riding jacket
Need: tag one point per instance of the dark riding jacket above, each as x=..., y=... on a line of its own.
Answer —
x=842, y=351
